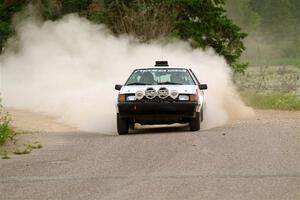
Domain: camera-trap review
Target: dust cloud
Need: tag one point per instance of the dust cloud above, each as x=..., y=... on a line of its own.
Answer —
x=68, y=69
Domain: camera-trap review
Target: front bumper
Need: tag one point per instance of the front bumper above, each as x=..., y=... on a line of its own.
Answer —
x=158, y=112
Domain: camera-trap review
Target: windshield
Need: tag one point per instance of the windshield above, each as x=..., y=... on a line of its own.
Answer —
x=160, y=77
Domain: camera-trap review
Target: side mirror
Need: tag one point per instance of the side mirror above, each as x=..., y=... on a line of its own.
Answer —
x=202, y=87
x=118, y=87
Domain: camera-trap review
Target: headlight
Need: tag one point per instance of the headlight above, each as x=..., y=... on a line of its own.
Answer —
x=183, y=98
x=130, y=98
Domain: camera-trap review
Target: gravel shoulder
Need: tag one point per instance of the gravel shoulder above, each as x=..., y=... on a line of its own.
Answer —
x=258, y=158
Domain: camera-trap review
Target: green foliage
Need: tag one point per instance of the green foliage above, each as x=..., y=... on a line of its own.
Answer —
x=50, y=9
x=286, y=61
x=145, y=20
x=7, y=10
x=276, y=101
x=278, y=18
x=273, y=27
x=205, y=24
x=5, y=130
x=242, y=15
x=75, y=6
x=202, y=22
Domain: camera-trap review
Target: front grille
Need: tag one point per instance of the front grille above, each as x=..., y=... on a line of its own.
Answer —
x=157, y=100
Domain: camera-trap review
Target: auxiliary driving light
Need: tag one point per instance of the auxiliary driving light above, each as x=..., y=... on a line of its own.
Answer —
x=173, y=94
x=139, y=95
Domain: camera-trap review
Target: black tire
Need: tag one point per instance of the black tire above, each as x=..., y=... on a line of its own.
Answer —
x=122, y=125
x=202, y=115
x=195, y=122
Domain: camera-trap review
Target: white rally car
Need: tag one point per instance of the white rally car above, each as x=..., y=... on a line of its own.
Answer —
x=160, y=95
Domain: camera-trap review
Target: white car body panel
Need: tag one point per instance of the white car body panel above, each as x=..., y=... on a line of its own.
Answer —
x=181, y=89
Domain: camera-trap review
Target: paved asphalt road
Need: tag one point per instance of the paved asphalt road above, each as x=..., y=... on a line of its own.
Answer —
x=247, y=160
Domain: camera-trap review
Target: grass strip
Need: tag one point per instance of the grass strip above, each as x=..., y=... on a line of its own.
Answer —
x=274, y=101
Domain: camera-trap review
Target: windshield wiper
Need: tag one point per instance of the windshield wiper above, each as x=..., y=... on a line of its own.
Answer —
x=139, y=84
x=169, y=83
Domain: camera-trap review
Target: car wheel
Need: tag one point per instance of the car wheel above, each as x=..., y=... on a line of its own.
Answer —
x=195, y=122
x=122, y=125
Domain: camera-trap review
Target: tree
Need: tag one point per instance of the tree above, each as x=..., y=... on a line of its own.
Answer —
x=277, y=17
x=242, y=15
x=146, y=20
x=203, y=22
x=7, y=9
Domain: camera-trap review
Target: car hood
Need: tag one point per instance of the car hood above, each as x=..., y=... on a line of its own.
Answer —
x=181, y=89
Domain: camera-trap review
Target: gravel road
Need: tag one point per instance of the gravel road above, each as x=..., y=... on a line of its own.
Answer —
x=246, y=160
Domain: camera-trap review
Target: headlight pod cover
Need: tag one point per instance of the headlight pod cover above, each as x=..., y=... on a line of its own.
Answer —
x=173, y=94
x=150, y=93
x=139, y=95
x=163, y=92
x=183, y=97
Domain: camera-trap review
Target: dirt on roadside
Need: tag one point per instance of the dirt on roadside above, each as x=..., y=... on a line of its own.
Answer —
x=31, y=129
x=29, y=122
